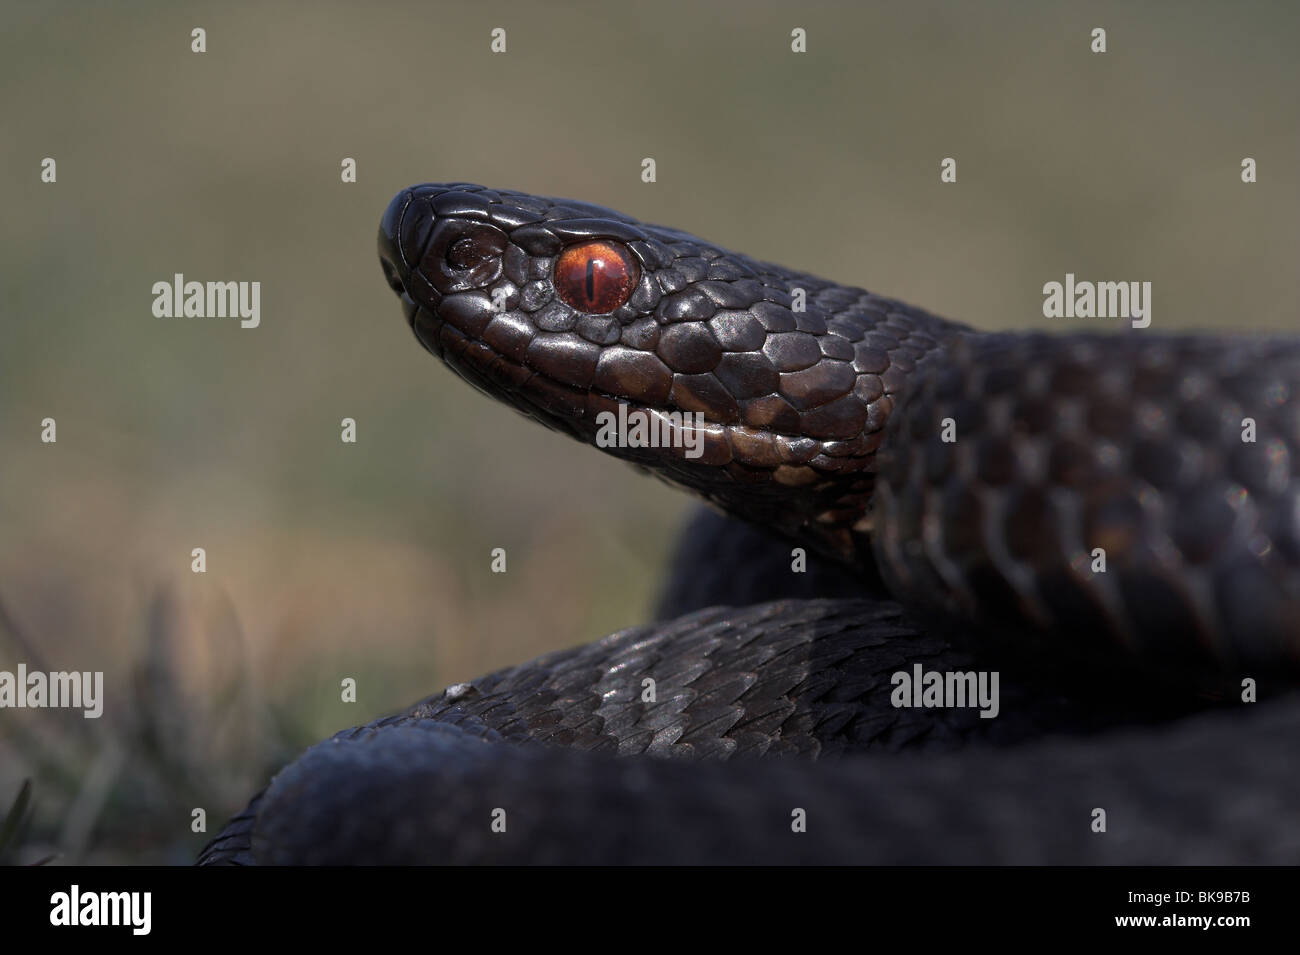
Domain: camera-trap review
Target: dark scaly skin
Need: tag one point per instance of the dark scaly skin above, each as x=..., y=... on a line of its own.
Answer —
x=1064, y=444
x=420, y=791
x=792, y=400
x=823, y=426
x=768, y=688
x=1128, y=443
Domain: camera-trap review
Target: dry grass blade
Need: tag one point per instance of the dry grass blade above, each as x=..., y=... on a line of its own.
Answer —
x=14, y=820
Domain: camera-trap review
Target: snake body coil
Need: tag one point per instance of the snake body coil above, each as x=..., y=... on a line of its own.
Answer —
x=1113, y=521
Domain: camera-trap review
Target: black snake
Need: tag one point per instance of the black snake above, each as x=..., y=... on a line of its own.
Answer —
x=1111, y=524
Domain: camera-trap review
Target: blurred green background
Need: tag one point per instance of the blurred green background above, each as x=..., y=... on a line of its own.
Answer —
x=371, y=560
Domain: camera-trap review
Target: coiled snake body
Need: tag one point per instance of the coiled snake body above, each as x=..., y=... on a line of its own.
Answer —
x=1110, y=523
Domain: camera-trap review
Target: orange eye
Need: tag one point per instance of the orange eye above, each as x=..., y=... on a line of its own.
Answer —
x=596, y=277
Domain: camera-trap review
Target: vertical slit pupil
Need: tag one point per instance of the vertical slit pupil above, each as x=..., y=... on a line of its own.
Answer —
x=596, y=277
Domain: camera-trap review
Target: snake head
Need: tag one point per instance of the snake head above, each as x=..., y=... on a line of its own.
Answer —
x=769, y=388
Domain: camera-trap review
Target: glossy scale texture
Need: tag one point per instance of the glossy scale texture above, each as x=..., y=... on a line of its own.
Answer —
x=978, y=474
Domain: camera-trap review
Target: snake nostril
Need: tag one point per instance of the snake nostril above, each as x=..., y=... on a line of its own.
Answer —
x=462, y=255
x=468, y=252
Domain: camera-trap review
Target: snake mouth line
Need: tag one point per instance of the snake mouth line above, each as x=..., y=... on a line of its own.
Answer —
x=749, y=454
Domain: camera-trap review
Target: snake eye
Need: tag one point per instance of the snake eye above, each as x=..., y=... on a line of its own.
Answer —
x=468, y=252
x=596, y=277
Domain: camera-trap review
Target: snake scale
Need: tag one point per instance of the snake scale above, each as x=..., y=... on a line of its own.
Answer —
x=1111, y=524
